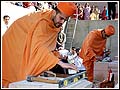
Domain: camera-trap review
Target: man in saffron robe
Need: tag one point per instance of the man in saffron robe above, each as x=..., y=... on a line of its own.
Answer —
x=28, y=43
x=93, y=46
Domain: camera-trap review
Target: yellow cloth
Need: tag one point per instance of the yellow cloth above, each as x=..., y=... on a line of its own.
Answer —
x=27, y=47
x=93, y=45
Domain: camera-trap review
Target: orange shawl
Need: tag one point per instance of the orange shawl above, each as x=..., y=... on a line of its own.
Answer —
x=27, y=46
x=92, y=45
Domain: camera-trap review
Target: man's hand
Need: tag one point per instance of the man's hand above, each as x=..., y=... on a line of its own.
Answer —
x=67, y=65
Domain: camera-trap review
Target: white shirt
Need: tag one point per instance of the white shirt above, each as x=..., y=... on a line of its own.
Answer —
x=4, y=27
x=79, y=63
x=63, y=52
x=71, y=58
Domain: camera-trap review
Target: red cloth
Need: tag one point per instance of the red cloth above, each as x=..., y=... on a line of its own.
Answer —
x=27, y=4
x=104, y=17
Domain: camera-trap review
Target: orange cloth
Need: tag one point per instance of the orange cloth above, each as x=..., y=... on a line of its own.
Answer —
x=27, y=47
x=56, y=53
x=68, y=8
x=110, y=30
x=92, y=45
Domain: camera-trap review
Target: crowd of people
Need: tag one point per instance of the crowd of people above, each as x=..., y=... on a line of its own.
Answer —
x=85, y=12
x=92, y=12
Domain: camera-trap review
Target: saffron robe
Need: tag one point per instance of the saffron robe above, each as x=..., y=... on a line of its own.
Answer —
x=27, y=47
x=92, y=46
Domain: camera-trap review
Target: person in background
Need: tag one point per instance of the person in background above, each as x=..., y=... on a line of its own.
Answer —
x=111, y=10
x=5, y=24
x=107, y=13
x=28, y=44
x=86, y=11
x=97, y=12
x=79, y=61
x=93, y=46
x=6, y=19
x=72, y=55
x=104, y=13
x=92, y=15
x=71, y=59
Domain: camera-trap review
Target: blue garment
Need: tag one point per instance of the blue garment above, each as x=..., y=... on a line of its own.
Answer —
x=107, y=12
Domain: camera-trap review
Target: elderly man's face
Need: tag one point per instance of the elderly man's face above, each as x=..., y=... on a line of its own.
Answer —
x=59, y=19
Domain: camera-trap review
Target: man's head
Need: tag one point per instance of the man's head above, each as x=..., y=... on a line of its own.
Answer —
x=63, y=11
x=67, y=8
x=108, y=31
x=6, y=19
x=73, y=50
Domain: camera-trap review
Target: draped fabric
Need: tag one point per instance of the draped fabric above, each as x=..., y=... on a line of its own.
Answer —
x=93, y=45
x=27, y=47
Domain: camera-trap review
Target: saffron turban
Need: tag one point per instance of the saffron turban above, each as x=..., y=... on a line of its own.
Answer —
x=68, y=8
